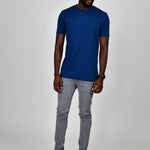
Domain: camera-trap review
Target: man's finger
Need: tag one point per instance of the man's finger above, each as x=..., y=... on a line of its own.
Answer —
x=55, y=89
x=58, y=89
x=94, y=85
x=61, y=84
x=94, y=90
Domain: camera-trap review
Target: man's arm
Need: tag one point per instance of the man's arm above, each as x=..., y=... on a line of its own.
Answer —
x=103, y=54
x=59, y=42
x=98, y=84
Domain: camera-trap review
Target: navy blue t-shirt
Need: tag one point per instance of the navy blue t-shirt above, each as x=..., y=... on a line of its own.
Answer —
x=83, y=28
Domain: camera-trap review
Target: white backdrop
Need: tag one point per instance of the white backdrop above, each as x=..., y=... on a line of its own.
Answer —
x=27, y=98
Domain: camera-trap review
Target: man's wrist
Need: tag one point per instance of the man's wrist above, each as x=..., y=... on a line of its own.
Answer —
x=56, y=75
x=102, y=76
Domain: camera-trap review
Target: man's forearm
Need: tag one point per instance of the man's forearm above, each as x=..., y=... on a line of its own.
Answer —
x=103, y=55
x=57, y=60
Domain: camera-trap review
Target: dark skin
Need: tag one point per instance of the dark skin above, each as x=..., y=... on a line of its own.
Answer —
x=103, y=55
x=58, y=85
x=98, y=83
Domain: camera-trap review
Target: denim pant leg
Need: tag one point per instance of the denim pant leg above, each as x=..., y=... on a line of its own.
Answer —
x=85, y=101
x=64, y=102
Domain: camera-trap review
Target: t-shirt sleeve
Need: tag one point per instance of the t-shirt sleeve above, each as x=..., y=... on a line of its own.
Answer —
x=104, y=30
x=61, y=23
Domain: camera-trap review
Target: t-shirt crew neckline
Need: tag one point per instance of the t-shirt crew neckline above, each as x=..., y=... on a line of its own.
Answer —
x=81, y=10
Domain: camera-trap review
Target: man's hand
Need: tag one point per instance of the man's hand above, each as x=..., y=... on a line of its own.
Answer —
x=58, y=84
x=97, y=85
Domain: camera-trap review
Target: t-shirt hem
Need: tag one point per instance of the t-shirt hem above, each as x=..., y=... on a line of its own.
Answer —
x=78, y=77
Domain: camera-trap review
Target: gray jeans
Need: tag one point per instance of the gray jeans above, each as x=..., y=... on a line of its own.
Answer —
x=64, y=101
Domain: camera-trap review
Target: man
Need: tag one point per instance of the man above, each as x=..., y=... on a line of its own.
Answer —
x=85, y=26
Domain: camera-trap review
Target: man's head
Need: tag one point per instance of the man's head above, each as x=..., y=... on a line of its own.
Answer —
x=87, y=3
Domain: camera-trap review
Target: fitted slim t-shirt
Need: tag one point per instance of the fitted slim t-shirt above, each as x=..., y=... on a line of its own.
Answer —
x=83, y=28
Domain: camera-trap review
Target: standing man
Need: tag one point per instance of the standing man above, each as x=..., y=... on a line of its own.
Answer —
x=85, y=26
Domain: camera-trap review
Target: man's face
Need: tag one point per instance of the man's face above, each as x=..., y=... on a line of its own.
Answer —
x=87, y=3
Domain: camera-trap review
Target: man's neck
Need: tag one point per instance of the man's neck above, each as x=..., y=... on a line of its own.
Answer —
x=81, y=6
